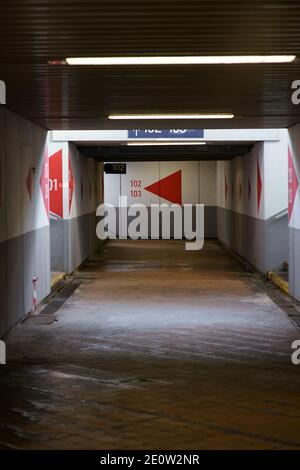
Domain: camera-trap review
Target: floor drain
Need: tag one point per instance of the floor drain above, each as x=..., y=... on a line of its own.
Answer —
x=61, y=297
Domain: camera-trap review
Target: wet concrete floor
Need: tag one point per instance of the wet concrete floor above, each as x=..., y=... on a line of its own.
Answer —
x=158, y=348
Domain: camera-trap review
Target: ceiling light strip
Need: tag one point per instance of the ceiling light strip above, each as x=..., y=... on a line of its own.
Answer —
x=183, y=60
x=171, y=116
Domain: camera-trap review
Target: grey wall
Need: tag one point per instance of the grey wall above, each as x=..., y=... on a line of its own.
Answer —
x=80, y=240
x=210, y=221
x=23, y=258
x=72, y=241
x=264, y=243
x=57, y=244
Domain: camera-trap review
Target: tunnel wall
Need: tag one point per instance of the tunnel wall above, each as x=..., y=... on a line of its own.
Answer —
x=197, y=179
x=73, y=202
x=252, y=204
x=294, y=211
x=24, y=218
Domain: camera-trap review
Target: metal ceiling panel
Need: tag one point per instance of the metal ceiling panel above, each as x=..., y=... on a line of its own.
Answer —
x=33, y=32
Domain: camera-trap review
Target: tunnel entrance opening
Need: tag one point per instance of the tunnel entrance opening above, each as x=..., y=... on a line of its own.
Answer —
x=239, y=176
x=245, y=197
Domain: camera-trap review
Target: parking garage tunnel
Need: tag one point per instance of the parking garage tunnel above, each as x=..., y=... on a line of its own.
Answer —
x=51, y=187
x=141, y=343
x=141, y=325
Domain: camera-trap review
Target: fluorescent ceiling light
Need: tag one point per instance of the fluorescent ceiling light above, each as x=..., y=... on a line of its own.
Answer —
x=182, y=60
x=165, y=143
x=172, y=116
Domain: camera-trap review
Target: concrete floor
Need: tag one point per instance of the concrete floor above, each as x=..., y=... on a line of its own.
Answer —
x=158, y=348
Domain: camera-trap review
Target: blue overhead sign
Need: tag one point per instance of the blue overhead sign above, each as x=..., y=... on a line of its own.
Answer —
x=166, y=134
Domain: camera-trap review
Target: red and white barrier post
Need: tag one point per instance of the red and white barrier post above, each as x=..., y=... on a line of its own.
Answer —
x=34, y=300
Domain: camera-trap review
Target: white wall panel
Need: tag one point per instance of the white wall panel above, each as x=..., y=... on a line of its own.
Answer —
x=198, y=182
x=112, y=189
x=241, y=177
x=276, y=176
x=207, y=177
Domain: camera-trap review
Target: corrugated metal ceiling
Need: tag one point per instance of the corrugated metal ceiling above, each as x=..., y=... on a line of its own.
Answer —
x=32, y=32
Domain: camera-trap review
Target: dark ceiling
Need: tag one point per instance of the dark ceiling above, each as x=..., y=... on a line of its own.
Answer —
x=32, y=32
x=123, y=153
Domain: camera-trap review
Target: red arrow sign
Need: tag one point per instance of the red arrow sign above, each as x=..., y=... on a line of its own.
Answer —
x=259, y=186
x=169, y=188
x=293, y=183
x=56, y=183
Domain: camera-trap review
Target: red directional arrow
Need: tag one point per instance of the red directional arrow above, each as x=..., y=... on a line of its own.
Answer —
x=168, y=188
x=56, y=186
x=259, y=186
x=293, y=183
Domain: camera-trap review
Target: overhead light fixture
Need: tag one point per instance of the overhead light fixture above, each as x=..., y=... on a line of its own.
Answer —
x=171, y=116
x=182, y=60
x=134, y=144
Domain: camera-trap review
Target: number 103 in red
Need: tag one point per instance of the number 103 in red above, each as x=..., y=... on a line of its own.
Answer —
x=135, y=184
